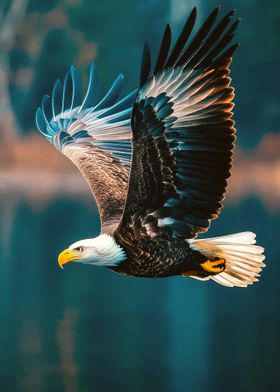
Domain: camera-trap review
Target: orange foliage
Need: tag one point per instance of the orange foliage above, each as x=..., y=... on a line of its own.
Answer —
x=32, y=160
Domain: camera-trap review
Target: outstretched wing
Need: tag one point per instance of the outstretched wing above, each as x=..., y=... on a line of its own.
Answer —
x=96, y=136
x=183, y=134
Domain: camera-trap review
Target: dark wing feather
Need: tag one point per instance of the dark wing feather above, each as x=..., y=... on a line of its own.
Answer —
x=182, y=39
x=164, y=49
x=199, y=37
x=183, y=134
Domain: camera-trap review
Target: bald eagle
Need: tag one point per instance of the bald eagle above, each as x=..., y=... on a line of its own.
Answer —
x=157, y=161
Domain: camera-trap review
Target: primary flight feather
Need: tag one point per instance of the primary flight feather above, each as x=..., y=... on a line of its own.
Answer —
x=157, y=160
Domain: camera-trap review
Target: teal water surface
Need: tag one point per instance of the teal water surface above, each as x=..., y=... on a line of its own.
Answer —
x=88, y=329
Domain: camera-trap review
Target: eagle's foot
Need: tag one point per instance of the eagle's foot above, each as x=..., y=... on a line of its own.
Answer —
x=214, y=265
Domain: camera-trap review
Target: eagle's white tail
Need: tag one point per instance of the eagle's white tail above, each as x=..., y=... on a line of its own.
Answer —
x=244, y=260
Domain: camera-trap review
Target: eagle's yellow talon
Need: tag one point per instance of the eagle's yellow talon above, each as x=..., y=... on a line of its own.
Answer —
x=214, y=266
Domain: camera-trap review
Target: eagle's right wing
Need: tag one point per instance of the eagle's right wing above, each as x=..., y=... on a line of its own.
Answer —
x=96, y=136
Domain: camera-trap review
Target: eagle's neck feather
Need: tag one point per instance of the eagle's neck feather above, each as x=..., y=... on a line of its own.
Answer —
x=111, y=253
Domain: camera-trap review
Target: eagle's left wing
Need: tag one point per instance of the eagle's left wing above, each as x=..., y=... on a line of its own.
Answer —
x=183, y=133
x=96, y=136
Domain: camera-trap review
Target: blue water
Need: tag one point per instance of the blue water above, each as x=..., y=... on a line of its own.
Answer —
x=89, y=329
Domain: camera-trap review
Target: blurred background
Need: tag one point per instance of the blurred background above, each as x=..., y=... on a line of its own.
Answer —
x=88, y=329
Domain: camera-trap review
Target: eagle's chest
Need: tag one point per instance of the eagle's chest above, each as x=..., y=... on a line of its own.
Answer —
x=155, y=257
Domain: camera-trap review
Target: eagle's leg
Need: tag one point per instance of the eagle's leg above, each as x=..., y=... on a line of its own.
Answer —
x=211, y=266
x=214, y=265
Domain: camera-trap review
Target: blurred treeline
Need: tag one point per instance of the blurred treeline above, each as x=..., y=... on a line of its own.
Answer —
x=51, y=35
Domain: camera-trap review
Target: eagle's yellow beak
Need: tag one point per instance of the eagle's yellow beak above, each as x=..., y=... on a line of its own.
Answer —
x=66, y=256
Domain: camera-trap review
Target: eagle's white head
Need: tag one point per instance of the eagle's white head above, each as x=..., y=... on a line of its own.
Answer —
x=102, y=250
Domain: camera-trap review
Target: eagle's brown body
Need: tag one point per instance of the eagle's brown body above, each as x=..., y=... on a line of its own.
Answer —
x=158, y=257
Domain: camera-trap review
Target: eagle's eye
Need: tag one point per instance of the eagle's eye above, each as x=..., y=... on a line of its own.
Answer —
x=79, y=249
